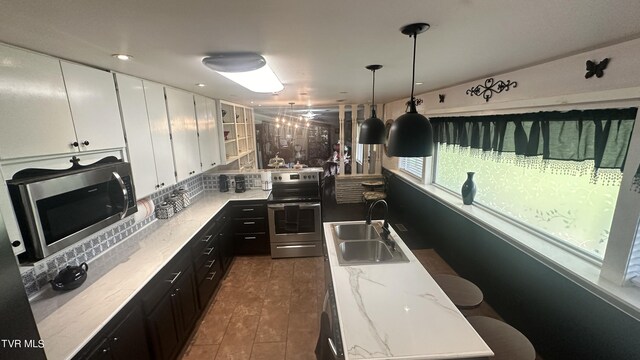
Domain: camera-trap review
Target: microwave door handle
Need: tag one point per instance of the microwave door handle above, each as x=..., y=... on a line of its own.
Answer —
x=125, y=194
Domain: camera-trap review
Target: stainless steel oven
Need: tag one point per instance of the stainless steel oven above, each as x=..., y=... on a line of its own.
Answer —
x=295, y=215
x=56, y=208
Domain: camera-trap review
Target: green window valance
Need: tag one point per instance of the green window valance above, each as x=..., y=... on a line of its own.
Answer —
x=599, y=135
x=566, y=138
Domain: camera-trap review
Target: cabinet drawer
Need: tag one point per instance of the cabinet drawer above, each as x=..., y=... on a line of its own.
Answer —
x=208, y=284
x=249, y=210
x=206, y=251
x=251, y=244
x=162, y=283
x=207, y=264
x=203, y=238
x=249, y=225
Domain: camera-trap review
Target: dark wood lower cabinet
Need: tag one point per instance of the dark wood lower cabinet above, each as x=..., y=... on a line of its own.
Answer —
x=159, y=320
x=126, y=341
x=173, y=315
x=162, y=330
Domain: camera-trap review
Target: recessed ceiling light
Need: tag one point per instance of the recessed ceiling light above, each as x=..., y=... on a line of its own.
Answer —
x=419, y=83
x=252, y=102
x=200, y=85
x=123, y=57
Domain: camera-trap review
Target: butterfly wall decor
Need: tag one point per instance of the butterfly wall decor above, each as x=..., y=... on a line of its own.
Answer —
x=596, y=69
x=441, y=97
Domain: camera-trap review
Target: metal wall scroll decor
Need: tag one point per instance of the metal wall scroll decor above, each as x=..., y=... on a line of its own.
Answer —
x=441, y=98
x=490, y=87
x=596, y=69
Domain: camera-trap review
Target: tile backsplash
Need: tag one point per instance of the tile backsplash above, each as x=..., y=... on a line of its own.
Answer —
x=253, y=180
x=37, y=277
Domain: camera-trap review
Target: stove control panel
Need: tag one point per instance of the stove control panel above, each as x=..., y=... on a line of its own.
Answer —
x=295, y=177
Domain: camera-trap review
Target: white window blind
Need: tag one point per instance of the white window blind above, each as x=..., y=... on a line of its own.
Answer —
x=412, y=165
x=633, y=271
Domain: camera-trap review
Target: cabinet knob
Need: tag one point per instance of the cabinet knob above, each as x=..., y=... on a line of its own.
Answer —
x=85, y=143
x=75, y=144
x=15, y=243
x=105, y=350
x=116, y=339
x=157, y=186
x=162, y=184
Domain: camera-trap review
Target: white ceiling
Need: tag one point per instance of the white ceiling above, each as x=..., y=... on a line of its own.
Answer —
x=317, y=47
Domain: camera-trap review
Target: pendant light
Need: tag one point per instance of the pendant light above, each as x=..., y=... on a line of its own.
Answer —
x=372, y=130
x=411, y=134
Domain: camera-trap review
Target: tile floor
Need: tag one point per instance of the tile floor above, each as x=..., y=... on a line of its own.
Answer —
x=265, y=309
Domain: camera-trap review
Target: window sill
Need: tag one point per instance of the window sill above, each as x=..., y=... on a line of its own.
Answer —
x=579, y=270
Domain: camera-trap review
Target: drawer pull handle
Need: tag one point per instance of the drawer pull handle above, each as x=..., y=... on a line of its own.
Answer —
x=295, y=246
x=249, y=237
x=208, y=251
x=206, y=238
x=212, y=275
x=210, y=264
x=248, y=209
x=249, y=222
x=175, y=277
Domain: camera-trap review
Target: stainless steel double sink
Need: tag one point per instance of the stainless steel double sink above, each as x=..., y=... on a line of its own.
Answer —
x=364, y=244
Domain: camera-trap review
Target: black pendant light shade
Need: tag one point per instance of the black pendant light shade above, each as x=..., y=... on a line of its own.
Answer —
x=411, y=134
x=372, y=130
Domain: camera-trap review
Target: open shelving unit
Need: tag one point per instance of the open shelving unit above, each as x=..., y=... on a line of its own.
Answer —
x=239, y=139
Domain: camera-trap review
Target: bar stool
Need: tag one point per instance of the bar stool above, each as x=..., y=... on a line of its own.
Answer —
x=505, y=341
x=463, y=293
x=374, y=190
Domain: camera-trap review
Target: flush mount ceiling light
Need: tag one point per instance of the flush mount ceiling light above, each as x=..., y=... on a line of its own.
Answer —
x=245, y=68
x=411, y=134
x=123, y=57
x=372, y=130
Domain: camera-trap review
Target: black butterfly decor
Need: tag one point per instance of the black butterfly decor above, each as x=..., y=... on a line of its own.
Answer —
x=596, y=69
x=441, y=96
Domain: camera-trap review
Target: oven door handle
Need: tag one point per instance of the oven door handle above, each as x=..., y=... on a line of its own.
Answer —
x=301, y=205
x=125, y=194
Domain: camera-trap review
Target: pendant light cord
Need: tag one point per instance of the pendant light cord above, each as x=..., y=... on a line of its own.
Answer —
x=373, y=96
x=413, y=72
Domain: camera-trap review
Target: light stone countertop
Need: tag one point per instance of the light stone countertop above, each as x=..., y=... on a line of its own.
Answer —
x=77, y=320
x=397, y=311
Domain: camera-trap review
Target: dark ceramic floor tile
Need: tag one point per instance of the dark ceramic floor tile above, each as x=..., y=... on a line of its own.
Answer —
x=269, y=351
x=273, y=327
x=201, y=352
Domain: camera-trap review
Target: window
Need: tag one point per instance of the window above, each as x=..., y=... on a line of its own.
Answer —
x=359, y=153
x=412, y=165
x=556, y=173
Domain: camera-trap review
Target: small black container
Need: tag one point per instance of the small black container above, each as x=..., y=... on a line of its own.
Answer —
x=223, y=183
x=240, y=183
x=70, y=277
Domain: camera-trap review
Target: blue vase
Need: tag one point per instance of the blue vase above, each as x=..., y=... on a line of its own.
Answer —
x=468, y=190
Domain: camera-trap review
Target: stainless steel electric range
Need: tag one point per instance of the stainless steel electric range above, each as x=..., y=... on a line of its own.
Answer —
x=294, y=213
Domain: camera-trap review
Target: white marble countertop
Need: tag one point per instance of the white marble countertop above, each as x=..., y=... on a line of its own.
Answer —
x=397, y=311
x=72, y=325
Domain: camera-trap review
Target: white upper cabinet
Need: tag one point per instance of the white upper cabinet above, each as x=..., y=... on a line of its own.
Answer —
x=207, y=132
x=94, y=107
x=184, y=132
x=160, y=136
x=138, y=134
x=34, y=116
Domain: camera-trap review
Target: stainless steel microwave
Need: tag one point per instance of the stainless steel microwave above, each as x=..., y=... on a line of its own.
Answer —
x=58, y=208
